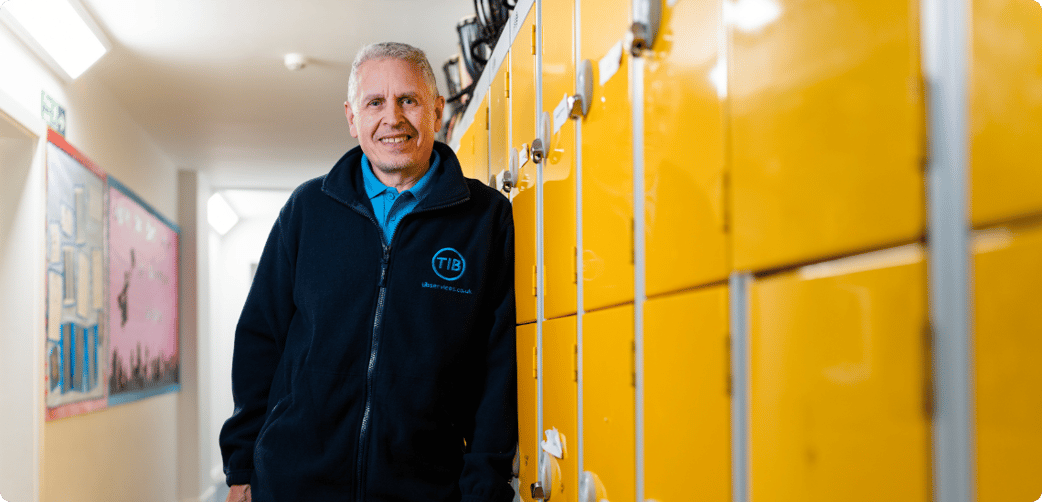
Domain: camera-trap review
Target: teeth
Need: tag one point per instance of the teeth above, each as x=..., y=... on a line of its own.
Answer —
x=393, y=140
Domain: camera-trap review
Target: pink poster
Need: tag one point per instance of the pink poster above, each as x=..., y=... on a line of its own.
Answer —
x=142, y=299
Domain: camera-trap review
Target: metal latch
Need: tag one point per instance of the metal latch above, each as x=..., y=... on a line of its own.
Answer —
x=537, y=491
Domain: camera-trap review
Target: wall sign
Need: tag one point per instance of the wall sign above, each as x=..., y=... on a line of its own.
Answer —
x=52, y=113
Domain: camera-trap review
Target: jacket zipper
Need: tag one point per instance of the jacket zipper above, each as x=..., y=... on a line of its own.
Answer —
x=375, y=340
x=377, y=319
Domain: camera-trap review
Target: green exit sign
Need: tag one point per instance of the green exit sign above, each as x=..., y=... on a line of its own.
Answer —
x=52, y=113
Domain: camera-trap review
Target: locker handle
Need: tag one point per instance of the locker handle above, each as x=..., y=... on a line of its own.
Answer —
x=639, y=39
x=510, y=175
x=537, y=491
x=541, y=145
x=591, y=489
x=647, y=14
x=579, y=104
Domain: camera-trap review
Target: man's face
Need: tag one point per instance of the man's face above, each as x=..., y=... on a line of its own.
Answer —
x=395, y=116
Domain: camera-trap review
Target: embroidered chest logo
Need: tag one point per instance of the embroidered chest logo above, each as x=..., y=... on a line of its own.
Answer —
x=448, y=264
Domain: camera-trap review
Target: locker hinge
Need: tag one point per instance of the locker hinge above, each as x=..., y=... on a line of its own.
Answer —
x=575, y=363
x=535, y=281
x=506, y=85
x=633, y=241
x=728, y=376
x=575, y=265
x=535, y=363
x=924, y=123
x=633, y=363
x=533, y=39
x=928, y=397
x=486, y=118
x=727, y=202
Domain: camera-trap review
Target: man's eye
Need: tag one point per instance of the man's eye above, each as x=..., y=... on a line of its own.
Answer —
x=375, y=102
x=408, y=101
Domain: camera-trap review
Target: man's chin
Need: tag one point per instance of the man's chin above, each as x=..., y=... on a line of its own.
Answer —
x=393, y=166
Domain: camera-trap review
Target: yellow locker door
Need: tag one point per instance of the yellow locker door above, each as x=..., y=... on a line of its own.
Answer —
x=560, y=402
x=687, y=453
x=827, y=129
x=522, y=103
x=1006, y=110
x=684, y=172
x=480, y=127
x=527, y=409
x=609, y=434
x=465, y=154
x=559, y=252
x=839, y=381
x=499, y=119
x=1008, y=349
x=607, y=159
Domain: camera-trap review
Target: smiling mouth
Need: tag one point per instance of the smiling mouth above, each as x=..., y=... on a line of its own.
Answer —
x=395, y=140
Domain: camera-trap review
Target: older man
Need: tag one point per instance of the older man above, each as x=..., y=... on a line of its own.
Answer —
x=374, y=358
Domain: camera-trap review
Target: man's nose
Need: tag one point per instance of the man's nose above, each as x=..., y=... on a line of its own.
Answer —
x=394, y=114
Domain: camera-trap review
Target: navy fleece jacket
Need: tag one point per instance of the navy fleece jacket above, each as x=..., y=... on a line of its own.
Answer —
x=372, y=372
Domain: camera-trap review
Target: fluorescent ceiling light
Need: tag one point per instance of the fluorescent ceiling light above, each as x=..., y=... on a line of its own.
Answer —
x=220, y=215
x=60, y=31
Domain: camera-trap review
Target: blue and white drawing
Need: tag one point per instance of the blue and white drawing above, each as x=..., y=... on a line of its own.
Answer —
x=75, y=282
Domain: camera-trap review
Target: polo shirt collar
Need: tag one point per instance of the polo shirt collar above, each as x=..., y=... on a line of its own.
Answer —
x=374, y=187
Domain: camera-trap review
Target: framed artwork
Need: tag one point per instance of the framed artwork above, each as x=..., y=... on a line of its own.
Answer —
x=76, y=282
x=144, y=357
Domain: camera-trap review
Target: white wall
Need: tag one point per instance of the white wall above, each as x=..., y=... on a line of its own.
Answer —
x=21, y=311
x=230, y=259
x=194, y=479
x=129, y=452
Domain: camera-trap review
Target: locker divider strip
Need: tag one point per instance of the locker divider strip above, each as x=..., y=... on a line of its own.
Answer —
x=945, y=47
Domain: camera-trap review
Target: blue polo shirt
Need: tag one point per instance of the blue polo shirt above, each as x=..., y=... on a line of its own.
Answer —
x=390, y=206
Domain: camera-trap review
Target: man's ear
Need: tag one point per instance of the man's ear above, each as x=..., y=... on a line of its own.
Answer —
x=439, y=109
x=350, y=119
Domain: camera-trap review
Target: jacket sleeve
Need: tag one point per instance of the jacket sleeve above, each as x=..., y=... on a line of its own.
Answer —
x=259, y=339
x=488, y=461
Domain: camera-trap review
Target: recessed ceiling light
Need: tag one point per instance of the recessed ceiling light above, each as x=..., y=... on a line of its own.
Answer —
x=58, y=30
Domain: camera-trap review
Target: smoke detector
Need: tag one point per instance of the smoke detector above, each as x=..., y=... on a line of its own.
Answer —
x=295, y=61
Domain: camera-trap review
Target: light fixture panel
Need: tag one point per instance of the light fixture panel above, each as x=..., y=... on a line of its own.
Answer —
x=60, y=32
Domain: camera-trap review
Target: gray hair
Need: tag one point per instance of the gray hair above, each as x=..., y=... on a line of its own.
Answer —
x=390, y=50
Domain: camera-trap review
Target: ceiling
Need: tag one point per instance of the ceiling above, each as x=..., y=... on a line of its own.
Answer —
x=206, y=79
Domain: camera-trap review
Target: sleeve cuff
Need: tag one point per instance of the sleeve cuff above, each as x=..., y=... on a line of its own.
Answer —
x=240, y=477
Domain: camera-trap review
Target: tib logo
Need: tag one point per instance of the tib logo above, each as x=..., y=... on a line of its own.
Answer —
x=448, y=264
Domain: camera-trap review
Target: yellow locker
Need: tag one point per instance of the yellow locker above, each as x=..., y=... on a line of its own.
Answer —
x=465, y=154
x=560, y=402
x=827, y=129
x=499, y=120
x=840, y=381
x=480, y=127
x=609, y=449
x=522, y=103
x=607, y=159
x=527, y=408
x=1008, y=350
x=684, y=172
x=687, y=451
x=559, y=251
x=1006, y=110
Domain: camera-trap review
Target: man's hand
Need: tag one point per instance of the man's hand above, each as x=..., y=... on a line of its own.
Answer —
x=239, y=493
